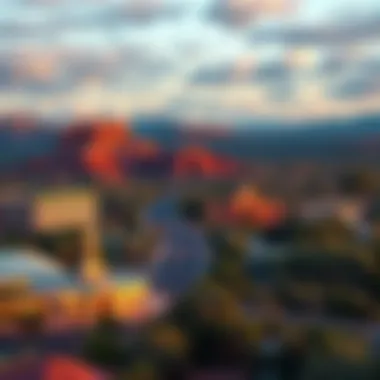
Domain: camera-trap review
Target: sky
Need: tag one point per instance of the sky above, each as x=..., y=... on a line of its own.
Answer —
x=203, y=60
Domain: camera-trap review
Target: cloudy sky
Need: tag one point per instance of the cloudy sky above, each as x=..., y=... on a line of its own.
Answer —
x=214, y=60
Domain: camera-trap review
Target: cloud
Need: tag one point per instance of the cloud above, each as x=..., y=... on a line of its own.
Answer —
x=224, y=12
x=330, y=34
x=114, y=14
x=170, y=47
x=212, y=75
x=331, y=64
x=271, y=72
x=371, y=67
x=354, y=88
x=243, y=13
x=361, y=80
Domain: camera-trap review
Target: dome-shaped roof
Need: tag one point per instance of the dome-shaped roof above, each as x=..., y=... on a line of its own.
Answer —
x=41, y=272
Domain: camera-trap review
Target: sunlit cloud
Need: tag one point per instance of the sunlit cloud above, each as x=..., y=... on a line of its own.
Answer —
x=190, y=57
